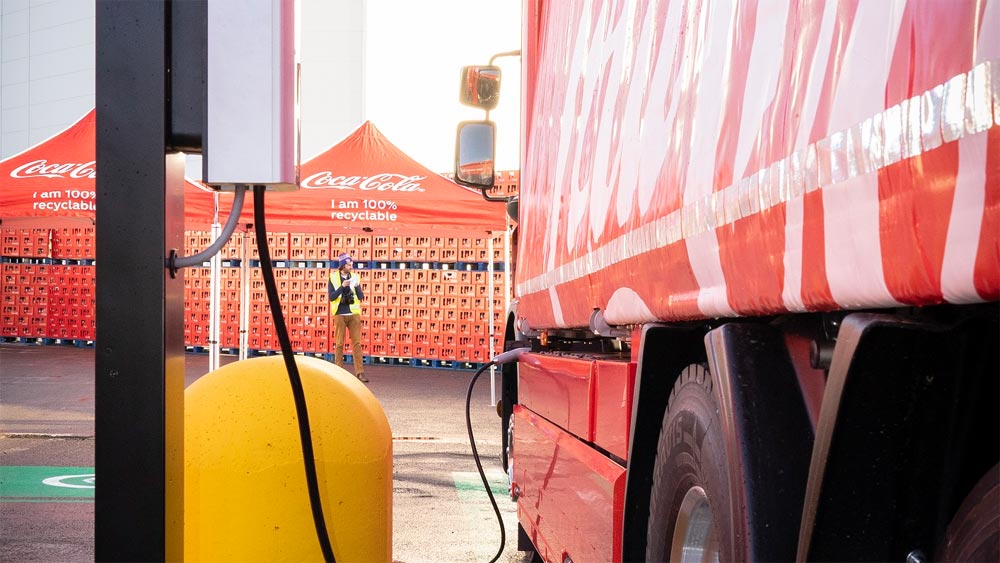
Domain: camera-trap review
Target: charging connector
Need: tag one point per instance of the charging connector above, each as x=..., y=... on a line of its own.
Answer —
x=510, y=356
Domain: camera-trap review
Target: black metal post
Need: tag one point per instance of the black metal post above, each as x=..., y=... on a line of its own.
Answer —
x=140, y=351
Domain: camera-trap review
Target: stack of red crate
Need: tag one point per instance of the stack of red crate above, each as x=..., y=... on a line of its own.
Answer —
x=473, y=249
x=33, y=300
x=258, y=307
x=466, y=346
x=421, y=313
x=10, y=314
x=26, y=243
x=308, y=246
x=358, y=246
x=41, y=300
x=233, y=250
x=277, y=246
x=291, y=294
x=416, y=248
x=444, y=312
x=230, y=291
x=512, y=182
x=498, y=249
x=76, y=243
x=387, y=249
x=262, y=333
x=35, y=243
x=317, y=310
x=11, y=242
x=506, y=184
x=304, y=300
x=71, y=302
x=424, y=313
x=443, y=250
x=302, y=292
x=25, y=298
x=373, y=284
x=399, y=293
x=197, y=292
x=419, y=306
x=502, y=293
x=420, y=321
x=229, y=305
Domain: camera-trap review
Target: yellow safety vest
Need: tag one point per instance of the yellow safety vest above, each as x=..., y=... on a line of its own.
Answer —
x=337, y=281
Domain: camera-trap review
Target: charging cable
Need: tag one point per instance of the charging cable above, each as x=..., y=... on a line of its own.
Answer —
x=509, y=356
x=175, y=262
x=302, y=414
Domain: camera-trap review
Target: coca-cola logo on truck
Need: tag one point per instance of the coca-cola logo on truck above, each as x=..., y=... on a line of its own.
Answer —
x=376, y=182
x=45, y=169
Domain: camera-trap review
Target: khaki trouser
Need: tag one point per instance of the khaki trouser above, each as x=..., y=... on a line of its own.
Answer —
x=352, y=323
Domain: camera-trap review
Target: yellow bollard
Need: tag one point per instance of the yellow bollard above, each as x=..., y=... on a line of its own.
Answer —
x=245, y=495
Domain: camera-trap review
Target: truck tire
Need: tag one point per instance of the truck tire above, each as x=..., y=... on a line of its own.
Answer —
x=689, y=507
x=974, y=531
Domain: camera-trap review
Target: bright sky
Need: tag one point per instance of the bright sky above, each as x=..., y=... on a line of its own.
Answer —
x=415, y=53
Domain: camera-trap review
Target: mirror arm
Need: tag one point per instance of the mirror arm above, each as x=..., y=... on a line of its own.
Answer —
x=493, y=59
x=488, y=197
x=505, y=54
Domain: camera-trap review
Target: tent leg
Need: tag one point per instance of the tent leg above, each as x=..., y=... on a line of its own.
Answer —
x=490, y=288
x=214, y=305
x=244, y=297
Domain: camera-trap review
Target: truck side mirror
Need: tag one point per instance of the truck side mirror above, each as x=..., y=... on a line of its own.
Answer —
x=480, y=87
x=475, y=154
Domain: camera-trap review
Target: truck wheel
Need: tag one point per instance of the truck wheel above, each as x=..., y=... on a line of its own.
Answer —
x=974, y=532
x=689, y=507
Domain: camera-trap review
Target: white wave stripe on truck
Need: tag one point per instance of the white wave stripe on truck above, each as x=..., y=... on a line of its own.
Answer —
x=851, y=206
x=963, y=106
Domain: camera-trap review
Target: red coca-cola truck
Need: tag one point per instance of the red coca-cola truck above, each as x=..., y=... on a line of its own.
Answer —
x=758, y=271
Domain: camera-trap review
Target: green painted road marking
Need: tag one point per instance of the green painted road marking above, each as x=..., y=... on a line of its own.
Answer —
x=46, y=484
x=476, y=505
x=470, y=482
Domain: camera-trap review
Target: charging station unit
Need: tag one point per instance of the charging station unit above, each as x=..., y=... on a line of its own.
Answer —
x=211, y=473
x=252, y=129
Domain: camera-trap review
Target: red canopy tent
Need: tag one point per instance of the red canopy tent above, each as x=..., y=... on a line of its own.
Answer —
x=366, y=182
x=53, y=183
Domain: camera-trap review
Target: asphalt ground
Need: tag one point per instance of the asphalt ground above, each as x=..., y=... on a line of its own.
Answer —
x=441, y=512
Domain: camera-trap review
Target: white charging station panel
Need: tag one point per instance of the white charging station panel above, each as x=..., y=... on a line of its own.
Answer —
x=252, y=113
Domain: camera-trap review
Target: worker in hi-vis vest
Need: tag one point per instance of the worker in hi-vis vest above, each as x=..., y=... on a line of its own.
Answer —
x=344, y=291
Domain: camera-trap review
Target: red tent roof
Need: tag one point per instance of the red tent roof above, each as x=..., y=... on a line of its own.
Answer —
x=366, y=182
x=53, y=183
x=363, y=182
